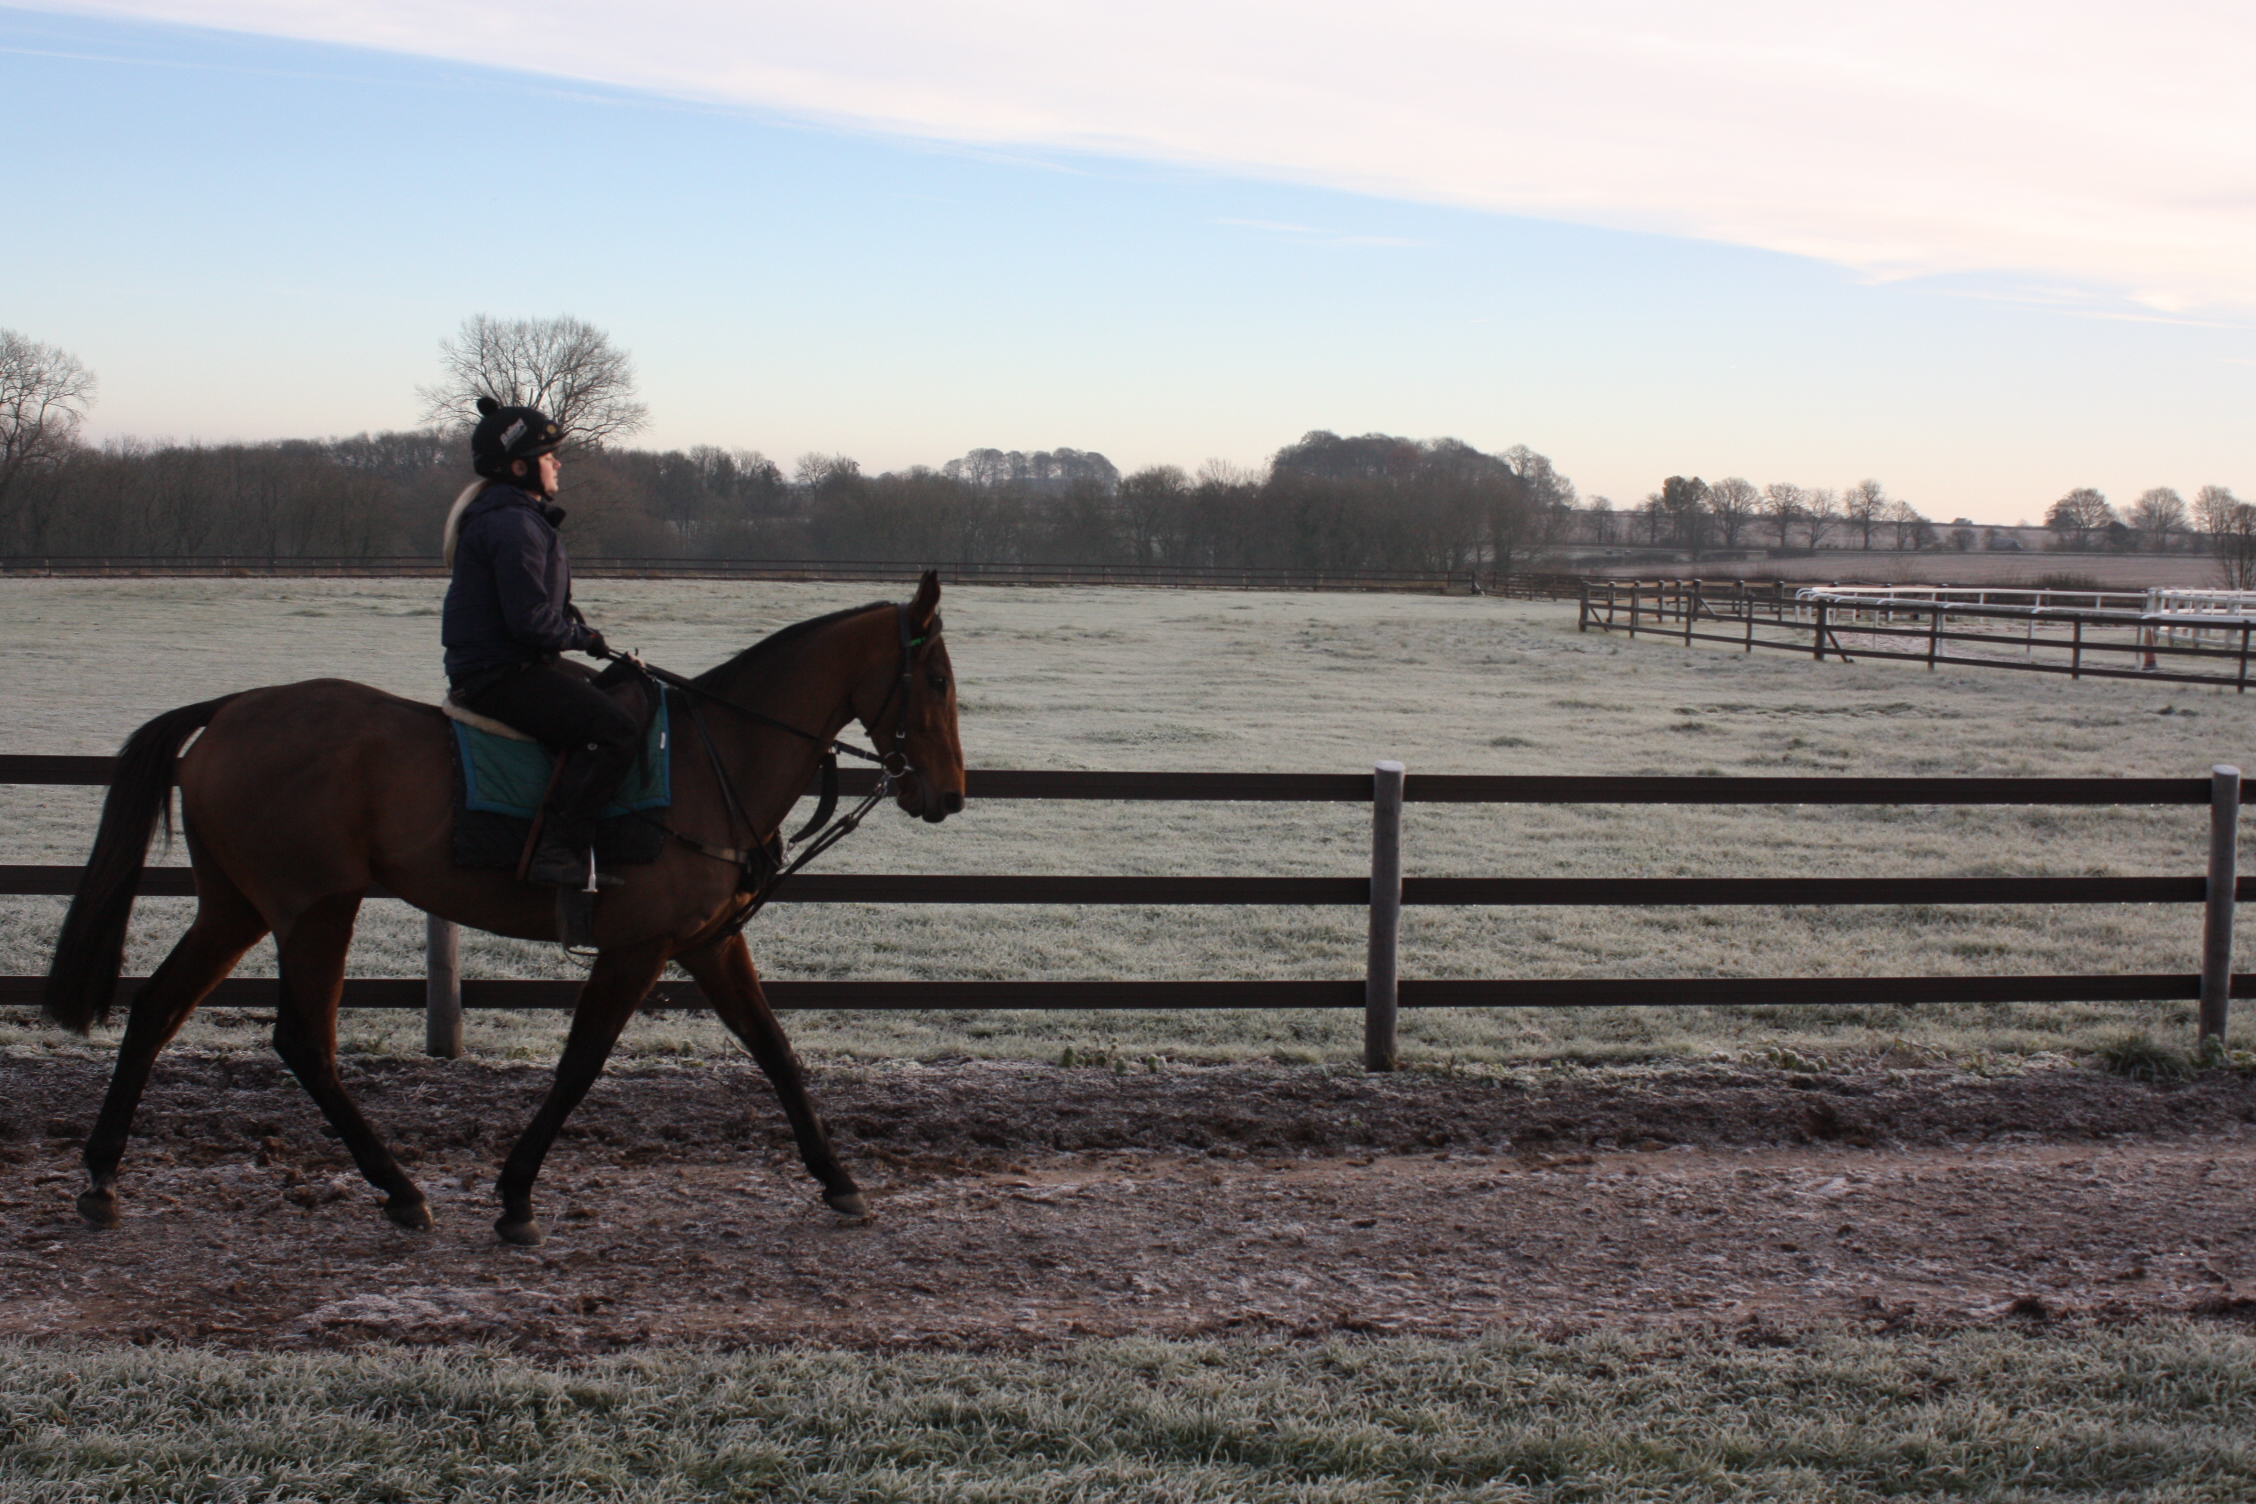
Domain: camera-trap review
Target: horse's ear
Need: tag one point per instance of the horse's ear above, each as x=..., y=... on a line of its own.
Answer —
x=927, y=601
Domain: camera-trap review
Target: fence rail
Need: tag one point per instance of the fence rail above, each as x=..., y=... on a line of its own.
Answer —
x=444, y=994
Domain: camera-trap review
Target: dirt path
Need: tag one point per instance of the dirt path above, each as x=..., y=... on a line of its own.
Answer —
x=1024, y=1204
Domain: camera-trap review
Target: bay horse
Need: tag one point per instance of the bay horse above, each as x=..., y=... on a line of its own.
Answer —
x=296, y=798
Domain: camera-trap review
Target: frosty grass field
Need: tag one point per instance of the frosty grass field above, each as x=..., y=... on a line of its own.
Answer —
x=1128, y=679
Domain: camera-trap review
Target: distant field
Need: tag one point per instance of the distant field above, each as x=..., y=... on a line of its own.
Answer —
x=1116, y=678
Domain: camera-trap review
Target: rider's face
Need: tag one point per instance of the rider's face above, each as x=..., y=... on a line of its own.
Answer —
x=545, y=472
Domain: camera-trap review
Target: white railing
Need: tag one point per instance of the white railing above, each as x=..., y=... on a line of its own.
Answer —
x=2184, y=615
x=1982, y=595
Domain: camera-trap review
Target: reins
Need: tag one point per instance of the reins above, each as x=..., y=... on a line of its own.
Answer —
x=761, y=868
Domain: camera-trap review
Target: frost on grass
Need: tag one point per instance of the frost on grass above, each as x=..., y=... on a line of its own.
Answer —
x=2159, y=1410
x=1323, y=683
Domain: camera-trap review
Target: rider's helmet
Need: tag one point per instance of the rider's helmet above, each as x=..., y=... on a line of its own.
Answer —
x=507, y=434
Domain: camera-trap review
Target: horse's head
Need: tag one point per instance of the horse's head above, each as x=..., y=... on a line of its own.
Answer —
x=915, y=724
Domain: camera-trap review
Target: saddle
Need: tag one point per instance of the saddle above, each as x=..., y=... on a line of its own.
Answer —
x=502, y=778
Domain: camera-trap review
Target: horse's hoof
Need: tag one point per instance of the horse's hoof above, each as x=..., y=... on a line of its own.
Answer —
x=519, y=1229
x=414, y=1215
x=846, y=1203
x=99, y=1208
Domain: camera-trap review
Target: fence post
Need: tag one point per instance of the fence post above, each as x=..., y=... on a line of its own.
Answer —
x=1380, y=973
x=1691, y=610
x=1817, y=629
x=1934, y=632
x=442, y=988
x=1582, y=617
x=2076, y=650
x=2217, y=924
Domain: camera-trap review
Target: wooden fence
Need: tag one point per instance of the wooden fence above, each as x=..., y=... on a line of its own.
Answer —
x=1383, y=891
x=1461, y=581
x=2083, y=644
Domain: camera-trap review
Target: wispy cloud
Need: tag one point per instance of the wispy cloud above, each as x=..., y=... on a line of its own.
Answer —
x=2087, y=141
x=1315, y=236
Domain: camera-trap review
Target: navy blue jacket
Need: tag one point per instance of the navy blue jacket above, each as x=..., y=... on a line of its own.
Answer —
x=511, y=598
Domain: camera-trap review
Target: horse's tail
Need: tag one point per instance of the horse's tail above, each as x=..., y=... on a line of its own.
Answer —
x=90, y=952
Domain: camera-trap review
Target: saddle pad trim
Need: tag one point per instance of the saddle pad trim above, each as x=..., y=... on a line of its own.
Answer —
x=485, y=723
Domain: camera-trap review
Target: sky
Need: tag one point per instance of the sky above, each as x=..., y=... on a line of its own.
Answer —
x=1983, y=252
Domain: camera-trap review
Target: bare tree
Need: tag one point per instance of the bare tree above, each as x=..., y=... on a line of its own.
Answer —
x=1655, y=512
x=1601, y=511
x=44, y=395
x=2159, y=513
x=1227, y=473
x=1912, y=530
x=2235, y=544
x=1147, y=501
x=2079, y=514
x=567, y=368
x=1685, y=500
x=1820, y=509
x=2212, y=509
x=826, y=474
x=1865, y=506
x=2228, y=524
x=1733, y=500
x=1782, y=503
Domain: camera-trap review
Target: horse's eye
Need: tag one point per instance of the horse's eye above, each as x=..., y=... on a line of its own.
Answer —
x=938, y=681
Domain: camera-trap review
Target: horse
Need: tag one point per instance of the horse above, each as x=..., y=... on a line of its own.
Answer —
x=296, y=798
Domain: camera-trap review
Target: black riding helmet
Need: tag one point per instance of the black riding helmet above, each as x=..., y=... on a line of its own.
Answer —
x=507, y=434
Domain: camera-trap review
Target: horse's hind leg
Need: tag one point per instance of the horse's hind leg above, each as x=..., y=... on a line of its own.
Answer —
x=312, y=957
x=225, y=926
x=724, y=973
x=615, y=987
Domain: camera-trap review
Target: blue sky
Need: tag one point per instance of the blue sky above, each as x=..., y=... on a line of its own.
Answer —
x=251, y=235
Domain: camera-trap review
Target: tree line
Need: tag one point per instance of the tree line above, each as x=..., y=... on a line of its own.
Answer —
x=1374, y=501
x=1325, y=502
x=1690, y=513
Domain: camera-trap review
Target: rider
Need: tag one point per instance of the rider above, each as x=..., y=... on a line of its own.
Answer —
x=508, y=617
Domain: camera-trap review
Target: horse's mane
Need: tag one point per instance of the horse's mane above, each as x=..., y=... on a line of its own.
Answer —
x=777, y=640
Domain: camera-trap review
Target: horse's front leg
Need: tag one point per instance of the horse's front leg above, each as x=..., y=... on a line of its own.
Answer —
x=723, y=972
x=615, y=987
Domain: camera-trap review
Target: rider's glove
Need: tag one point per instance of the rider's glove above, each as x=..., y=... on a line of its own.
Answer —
x=595, y=646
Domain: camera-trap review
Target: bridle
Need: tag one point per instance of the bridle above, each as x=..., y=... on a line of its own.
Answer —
x=761, y=867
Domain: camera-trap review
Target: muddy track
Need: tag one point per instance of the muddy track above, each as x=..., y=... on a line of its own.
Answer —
x=1024, y=1204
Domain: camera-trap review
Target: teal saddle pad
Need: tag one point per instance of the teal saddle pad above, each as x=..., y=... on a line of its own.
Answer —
x=499, y=782
x=504, y=776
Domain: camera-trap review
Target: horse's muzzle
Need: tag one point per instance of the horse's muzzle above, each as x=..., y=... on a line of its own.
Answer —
x=932, y=805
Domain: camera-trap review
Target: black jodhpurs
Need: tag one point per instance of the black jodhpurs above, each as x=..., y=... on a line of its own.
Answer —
x=559, y=706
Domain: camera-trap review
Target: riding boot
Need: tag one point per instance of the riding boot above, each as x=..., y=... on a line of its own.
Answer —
x=563, y=857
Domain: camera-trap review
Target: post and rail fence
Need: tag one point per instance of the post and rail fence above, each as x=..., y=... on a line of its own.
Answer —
x=443, y=993
x=1828, y=623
